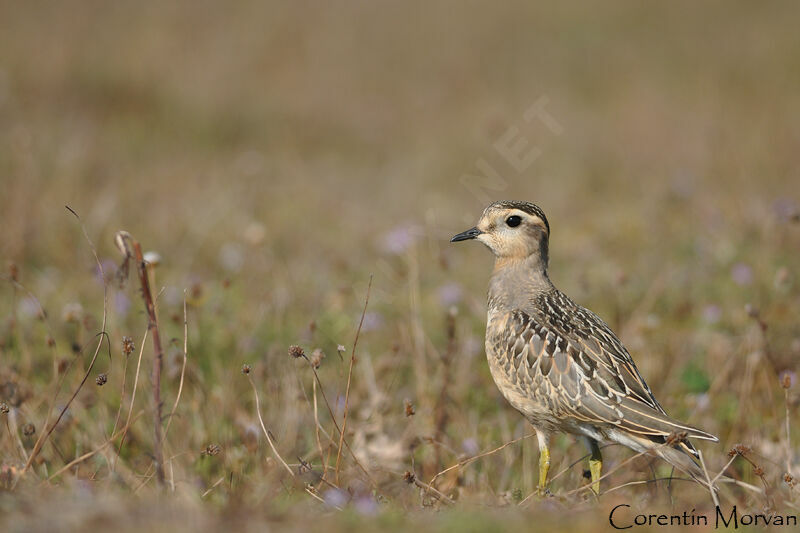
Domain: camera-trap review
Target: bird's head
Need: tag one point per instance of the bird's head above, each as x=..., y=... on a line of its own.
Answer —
x=513, y=231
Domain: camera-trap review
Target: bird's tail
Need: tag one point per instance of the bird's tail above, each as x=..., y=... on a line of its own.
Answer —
x=676, y=451
x=679, y=452
x=683, y=461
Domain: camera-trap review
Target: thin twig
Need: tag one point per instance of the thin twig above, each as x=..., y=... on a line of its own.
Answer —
x=316, y=432
x=589, y=486
x=468, y=460
x=133, y=394
x=158, y=356
x=264, y=428
x=724, y=468
x=183, y=367
x=87, y=455
x=440, y=411
x=411, y=478
x=314, y=495
x=336, y=425
x=579, y=460
x=349, y=377
x=37, y=447
x=215, y=485
x=121, y=395
x=788, y=427
x=148, y=476
x=43, y=317
x=648, y=481
x=710, y=484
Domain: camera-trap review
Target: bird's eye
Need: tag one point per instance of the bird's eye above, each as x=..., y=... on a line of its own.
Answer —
x=513, y=221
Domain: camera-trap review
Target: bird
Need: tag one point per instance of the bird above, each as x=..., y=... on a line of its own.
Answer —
x=559, y=364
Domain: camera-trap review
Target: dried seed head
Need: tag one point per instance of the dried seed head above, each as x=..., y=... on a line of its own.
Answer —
x=296, y=351
x=51, y=341
x=197, y=291
x=409, y=478
x=63, y=364
x=245, y=369
x=28, y=430
x=211, y=449
x=4, y=408
x=789, y=480
x=739, y=449
x=127, y=345
x=101, y=380
x=13, y=271
x=316, y=357
x=409, y=408
x=757, y=470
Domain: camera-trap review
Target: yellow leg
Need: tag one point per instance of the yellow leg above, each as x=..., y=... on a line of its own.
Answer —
x=544, y=462
x=595, y=466
x=544, y=467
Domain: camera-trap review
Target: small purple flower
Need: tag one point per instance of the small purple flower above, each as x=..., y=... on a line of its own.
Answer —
x=712, y=313
x=121, y=303
x=449, y=294
x=372, y=321
x=109, y=269
x=335, y=497
x=742, y=274
x=400, y=239
x=470, y=446
x=785, y=209
x=366, y=505
x=340, y=403
x=28, y=306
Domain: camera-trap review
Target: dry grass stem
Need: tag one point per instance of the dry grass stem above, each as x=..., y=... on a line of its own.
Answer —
x=349, y=378
x=133, y=394
x=102, y=336
x=87, y=455
x=468, y=460
x=132, y=250
x=183, y=367
x=264, y=428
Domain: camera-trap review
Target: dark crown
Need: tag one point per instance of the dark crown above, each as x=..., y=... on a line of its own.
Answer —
x=527, y=207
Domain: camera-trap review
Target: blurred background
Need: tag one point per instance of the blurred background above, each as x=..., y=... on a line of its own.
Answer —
x=275, y=155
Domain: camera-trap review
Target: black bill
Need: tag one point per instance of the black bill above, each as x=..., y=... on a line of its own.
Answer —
x=466, y=235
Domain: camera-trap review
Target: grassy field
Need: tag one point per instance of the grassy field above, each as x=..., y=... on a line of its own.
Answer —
x=278, y=156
